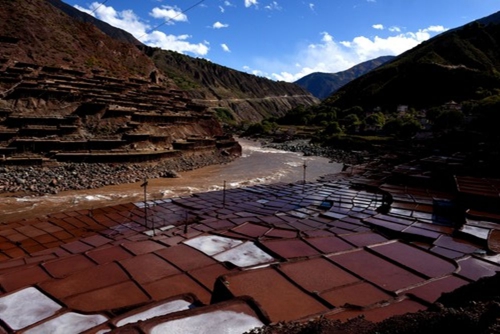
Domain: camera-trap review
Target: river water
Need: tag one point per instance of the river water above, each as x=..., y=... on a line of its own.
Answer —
x=257, y=165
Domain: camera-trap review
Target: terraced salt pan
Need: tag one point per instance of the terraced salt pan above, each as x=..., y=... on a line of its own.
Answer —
x=26, y=307
x=231, y=250
x=68, y=323
x=163, y=309
x=218, y=322
x=245, y=255
x=212, y=244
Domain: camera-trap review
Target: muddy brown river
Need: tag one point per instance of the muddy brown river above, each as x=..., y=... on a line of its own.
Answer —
x=257, y=165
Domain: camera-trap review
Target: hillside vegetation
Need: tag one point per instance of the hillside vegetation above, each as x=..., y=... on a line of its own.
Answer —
x=452, y=66
x=442, y=96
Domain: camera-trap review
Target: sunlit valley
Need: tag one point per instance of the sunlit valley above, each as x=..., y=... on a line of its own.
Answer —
x=144, y=190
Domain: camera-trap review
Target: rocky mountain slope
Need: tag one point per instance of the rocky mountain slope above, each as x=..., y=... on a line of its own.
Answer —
x=108, y=29
x=454, y=65
x=47, y=36
x=71, y=94
x=244, y=97
x=323, y=85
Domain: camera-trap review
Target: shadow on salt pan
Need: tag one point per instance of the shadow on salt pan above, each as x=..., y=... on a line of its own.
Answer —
x=230, y=250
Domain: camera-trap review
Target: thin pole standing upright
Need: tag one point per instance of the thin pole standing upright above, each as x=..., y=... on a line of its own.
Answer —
x=145, y=185
x=224, y=195
x=304, y=177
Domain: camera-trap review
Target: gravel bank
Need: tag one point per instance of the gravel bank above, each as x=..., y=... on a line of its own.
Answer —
x=308, y=149
x=40, y=180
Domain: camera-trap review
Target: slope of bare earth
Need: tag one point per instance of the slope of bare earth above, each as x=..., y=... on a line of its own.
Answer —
x=54, y=33
x=247, y=97
x=49, y=37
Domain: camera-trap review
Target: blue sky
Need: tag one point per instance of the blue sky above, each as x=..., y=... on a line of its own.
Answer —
x=287, y=39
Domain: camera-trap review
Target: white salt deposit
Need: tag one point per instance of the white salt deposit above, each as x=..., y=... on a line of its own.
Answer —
x=212, y=244
x=231, y=250
x=478, y=232
x=245, y=255
x=218, y=322
x=68, y=323
x=169, y=307
x=26, y=307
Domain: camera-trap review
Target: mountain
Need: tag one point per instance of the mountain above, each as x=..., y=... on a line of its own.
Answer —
x=117, y=34
x=248, y=97
x=47, y=36
x=53, y=33
x=71, y=94
x=245, y=97
x=452, y=66
x=323, y=85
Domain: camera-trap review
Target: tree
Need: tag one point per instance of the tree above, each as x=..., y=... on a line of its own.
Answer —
x=448, y=120
x=433, y=113
x=351, y=122
x=410, y=128
x=376, y=120
x=393, y=126
x=263, y=128
x=356, y=110
x=404, y=128
x=333, y=128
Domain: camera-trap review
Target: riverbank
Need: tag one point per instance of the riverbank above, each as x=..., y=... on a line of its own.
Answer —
x=307, y=148
x=34, y=180
x=257, y=165
x=20, y=181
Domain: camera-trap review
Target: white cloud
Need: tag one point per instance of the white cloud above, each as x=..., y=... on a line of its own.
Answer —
x=125, y=20
x=218, y=25
x=169, y=13
x=85, y=10
x=371, y=0
x=128, y=21
x=176, y=43
x=330, y=56
x=225, y=47
x=258, y=73
x=222, y=9
x=311, y=6
x=249, y=3
x=436, y=28
x=395, y=29
x=378, y=26
x=273, y=6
